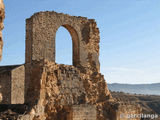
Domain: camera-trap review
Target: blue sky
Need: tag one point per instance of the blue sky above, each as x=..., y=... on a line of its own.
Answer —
x=129, y=31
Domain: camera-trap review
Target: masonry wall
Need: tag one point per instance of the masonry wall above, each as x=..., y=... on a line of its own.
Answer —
x=40, y=39
x=84, y=112
x=5, y=88
x=127, y=111
x=40, y=45
x=56, y=85
x=17, y=86
x=65, y=85
x=49, y=87
x=62, y=83
x=12, y=84
x=114, y=110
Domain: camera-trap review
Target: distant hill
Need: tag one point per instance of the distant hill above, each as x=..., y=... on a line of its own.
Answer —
x=150, y=103
x=148, y=89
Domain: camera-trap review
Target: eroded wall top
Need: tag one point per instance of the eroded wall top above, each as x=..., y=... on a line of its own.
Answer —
x=40, y=39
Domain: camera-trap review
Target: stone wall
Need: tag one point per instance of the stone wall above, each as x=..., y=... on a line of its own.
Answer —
x=82, y=112
x=56, y=85
x=2, y=15
x=65, y=83
x=113, y=110
x=12, y=84
x=40, y=39
x=5, y=86
x=17, y=87
x=127, y=111
x=40, y=45
x=61, y=84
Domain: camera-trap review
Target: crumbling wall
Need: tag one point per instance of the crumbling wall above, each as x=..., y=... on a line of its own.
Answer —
x=64, y=85
x=2, y=16
x=51, y=88
x=127, y=111
x=82, y=112
x=55, y=86
x=40, y=39
x=5, y=87
x=113, y=110
x=12, y=84
x=96, y=88
x=40, y=44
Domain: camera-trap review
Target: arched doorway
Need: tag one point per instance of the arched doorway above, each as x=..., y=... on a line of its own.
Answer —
x=66, y=46
x=63, y=46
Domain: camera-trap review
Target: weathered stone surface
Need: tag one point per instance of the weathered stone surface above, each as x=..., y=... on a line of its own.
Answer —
x=12, y=84
x=2, y=16
x=5, y=85
x=17, y=86
x=113, y=110
x=63, y=85
x=40, y=39
x=82, y=112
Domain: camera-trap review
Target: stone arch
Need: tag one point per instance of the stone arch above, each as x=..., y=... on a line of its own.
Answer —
x=40, y=39
x=40, y=46
x=75, y=43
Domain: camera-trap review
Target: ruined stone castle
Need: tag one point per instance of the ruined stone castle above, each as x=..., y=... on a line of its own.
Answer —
x=43, y=90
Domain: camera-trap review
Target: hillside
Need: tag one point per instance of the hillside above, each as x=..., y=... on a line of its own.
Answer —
x=150, y=103
x=148, y=89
